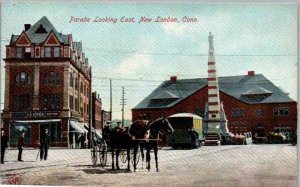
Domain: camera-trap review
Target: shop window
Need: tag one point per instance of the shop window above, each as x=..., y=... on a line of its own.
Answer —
x=54, y=130
x=15, y=131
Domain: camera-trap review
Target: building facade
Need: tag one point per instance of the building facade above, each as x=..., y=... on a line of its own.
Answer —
x=251, y=103
x=47, y=85
x=97, y=116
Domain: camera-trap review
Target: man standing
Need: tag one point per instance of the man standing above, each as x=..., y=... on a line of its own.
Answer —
x=45, y=143
x=3, y=145
x=21, y=145
x=106, y=131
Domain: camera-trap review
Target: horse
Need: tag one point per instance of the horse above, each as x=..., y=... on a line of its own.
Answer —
x=122, y=138
x=160, y=126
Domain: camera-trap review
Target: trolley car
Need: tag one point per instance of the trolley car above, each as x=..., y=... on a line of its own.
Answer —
x=186, y=125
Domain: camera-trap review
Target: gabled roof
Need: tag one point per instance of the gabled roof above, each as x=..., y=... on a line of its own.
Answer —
x=46, y=27
x=235, y=86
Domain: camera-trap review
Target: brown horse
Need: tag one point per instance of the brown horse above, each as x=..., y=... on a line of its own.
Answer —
x=160, y=126
x=123, y=138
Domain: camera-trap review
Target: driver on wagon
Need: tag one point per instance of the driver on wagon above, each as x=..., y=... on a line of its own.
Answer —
x=118, y=127
x=106, y=130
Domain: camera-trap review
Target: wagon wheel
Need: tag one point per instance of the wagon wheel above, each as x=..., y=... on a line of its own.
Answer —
x=123, y=155
x=103, y=154
x=137, y=156
x=94, y=154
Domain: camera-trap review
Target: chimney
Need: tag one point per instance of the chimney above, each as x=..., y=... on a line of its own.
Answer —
x=27, y=26
x=173, y=78
x=251, y=73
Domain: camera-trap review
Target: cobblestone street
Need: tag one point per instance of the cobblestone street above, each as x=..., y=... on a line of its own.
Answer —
x=251, y=165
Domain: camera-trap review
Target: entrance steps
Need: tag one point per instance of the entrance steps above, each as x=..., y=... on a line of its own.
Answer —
x=212, y=139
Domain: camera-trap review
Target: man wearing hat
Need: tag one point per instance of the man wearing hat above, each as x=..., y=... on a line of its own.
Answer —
x=106, y=131
x=45, y=143
x=3, y=145
x=21, y=145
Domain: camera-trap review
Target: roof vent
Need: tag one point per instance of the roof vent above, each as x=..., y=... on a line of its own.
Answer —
x=27, y=27
x=251, y=73
x=173, y=78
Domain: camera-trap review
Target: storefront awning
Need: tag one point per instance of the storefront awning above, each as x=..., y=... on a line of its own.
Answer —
x=37, y=121
x=77, y=127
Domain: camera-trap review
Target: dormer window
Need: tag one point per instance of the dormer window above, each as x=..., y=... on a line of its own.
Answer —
x=256, y=94
x=51, y=52
x=47, y=52
x=41, y=29
x=27, y=52
x=56, y=51
x=19, y=52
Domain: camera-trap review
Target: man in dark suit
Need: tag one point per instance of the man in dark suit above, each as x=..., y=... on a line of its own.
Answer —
x=3, y=145
x=45, y=143
x=21, y=145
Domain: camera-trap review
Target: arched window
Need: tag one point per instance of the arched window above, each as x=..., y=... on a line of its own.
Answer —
x=52, y=78
x=23, y=79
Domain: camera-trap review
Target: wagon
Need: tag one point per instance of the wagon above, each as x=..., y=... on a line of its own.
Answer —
x=186, y=126
x=100, y=149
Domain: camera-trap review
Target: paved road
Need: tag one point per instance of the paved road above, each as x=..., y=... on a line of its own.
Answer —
x=250, y=165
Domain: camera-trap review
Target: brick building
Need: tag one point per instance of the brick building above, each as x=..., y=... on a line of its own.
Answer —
x=251, y=103
x=97, y=121
x=47, y=85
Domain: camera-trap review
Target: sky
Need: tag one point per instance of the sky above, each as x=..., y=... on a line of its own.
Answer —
x=140, y=56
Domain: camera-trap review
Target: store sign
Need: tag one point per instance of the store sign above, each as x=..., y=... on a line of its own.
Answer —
x=34, y=114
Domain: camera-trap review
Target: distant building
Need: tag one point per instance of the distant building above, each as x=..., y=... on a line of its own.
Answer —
x=47, y=85
x=251, y=102
x=97, y=121
x=106, y=117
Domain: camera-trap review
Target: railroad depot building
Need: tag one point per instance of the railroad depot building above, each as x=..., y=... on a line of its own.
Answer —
x=251, y=103
x=47, y=85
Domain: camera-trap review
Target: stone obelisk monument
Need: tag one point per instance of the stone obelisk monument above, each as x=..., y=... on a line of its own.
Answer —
x=215, y=120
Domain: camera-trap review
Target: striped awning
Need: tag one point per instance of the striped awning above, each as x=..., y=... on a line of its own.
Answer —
x=76, y=126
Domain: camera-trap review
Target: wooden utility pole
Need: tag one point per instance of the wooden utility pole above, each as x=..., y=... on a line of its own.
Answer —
x=90, y=110
x=123, y=104
x=110, y=88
